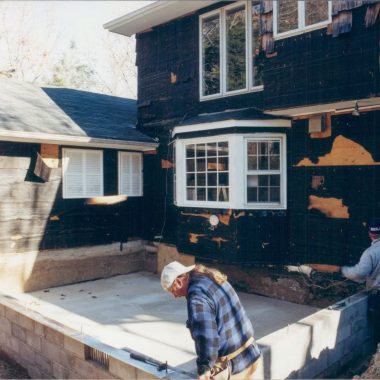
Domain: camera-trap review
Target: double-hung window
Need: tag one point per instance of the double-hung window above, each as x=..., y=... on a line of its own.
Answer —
x=230, y=57
x=232, y=171
x=295, y=16
x=82, y=173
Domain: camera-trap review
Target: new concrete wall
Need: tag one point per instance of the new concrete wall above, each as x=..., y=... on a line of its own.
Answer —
x=43, y=269
x=49, y=350
x=318, y=345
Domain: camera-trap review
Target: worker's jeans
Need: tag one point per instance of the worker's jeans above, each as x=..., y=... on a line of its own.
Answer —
x=247, y=374
x=374, y=314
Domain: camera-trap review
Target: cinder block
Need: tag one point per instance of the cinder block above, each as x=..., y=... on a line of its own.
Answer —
x=19, y=332
x=38, y=328
x=2, y=310
x=33, y=341
x=12, y=315
x=343, y=333
x=51, y=351
x=60, y=372
x=66, y=358
x=141, y=375
x=359, y=324
x=43, y=364
x=53, y=336
x=13, y=344
x=74, y=346
x=100, y=373
x=122, y=370
x=26, y=352
x=25, y=322
x=6, y=325
x=35, y=373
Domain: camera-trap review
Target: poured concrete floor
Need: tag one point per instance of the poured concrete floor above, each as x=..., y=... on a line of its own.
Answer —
x=133, y=312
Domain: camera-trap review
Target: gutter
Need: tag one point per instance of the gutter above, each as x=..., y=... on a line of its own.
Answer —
x=85, y=141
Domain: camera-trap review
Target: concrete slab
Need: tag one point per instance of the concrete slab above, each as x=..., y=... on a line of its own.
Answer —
x=132, y=312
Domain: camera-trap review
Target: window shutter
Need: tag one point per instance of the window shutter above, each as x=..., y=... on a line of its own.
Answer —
x=93, y=174
x=130, y=174
x=73, y=174
x=82, y=173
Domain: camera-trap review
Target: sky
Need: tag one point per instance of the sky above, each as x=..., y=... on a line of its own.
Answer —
x=54, y=24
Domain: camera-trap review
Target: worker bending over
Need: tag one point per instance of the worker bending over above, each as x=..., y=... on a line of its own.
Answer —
x=219, y=326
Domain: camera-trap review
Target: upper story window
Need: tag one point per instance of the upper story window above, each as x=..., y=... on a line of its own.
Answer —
x=232, y=171
x=294, y=16
x=230, y=58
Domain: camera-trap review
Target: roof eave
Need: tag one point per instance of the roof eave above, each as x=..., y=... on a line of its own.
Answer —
x=154, y=14
x=82, y=141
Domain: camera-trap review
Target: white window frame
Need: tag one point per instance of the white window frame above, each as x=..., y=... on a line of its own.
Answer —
x=120, y=167
x=302, y=28
x=282, y=171
x=65, y=157
x=237, y=171
x=223, y=52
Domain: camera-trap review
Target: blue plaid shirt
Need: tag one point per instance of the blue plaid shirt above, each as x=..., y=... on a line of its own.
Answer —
x=218, y=324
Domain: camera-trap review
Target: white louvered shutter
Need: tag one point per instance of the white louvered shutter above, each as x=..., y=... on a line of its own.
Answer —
x=93, y=173
x=82, y=173
x=130, y=174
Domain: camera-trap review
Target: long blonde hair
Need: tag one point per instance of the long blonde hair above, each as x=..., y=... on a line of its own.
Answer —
x=212, y=273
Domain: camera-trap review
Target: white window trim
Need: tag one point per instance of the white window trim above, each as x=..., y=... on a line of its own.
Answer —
x=223, y=53
x=283, y=194
x=64, y=168
x=302, y=28
x=119, y=156
x=237, y=172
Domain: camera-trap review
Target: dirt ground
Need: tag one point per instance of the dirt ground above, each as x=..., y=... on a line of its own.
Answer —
x=10, y=371
x=373, y=370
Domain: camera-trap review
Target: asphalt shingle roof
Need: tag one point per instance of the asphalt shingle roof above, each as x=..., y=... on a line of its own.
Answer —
x=25, y=107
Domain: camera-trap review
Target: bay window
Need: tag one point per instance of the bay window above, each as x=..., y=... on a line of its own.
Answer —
x=230, y=57
x=295, y=16
x=237, y=171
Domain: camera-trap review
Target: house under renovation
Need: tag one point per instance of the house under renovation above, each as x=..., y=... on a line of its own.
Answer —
x=266, y=114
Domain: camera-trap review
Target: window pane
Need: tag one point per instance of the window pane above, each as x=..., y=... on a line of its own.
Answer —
x=223, y=194
x=211, y=150
x=211, y=55
x=274, y=148
x=223, y=163
x=190, y=194
x=274, y=194
x=223, y=179
x=201, y=165
x=274, y=180
x=252, y=181
x=252, y=194
x=287, y=15
x=223, y=148
x=212, y=195
x=316, y=11
x=211, y=164
x=190, y=165
x=201, y=194
x=274, y=162
x=252, y=163
x=263, y=162
x=190, y=151
x=264, y=180
x=211, y=179
x=257, y=56
x=252, y=148
x=201, y=150
x=190, y=180
x=263, y=194
x=263, y=148
x=201, y=179
x=235, y=49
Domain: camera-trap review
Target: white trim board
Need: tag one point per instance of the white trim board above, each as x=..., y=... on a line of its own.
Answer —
x=30, y=137
x=231, y=123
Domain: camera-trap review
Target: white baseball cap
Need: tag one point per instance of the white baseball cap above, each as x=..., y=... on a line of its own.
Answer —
x=171, y=272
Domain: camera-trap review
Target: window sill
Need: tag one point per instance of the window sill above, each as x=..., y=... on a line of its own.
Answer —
x=239, y=92
x=298, y=32
x=232, y=206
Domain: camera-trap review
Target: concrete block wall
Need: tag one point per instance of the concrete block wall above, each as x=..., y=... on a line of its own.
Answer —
x=318, y=345
x=31, y=271
x=49, y=350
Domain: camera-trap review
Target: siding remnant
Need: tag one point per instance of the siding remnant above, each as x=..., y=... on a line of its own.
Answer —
x=331, y=207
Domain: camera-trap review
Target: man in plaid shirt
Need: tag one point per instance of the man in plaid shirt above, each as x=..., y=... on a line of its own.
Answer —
x=217, y=321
